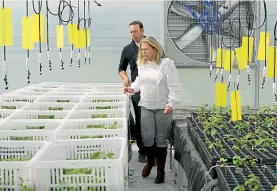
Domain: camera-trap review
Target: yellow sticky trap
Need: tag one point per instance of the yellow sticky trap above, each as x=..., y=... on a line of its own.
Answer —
x=241, y=58
x=229, y=59
x=270, y=63
x=220, y=57
x=88, y=36
x=60, y=36
x=263, y=45
x=6, y=27
x=221, y=94
x=236, y=106
x=81, y=41
x=27, y=33
x=72, y=33
x=248, y=49
x=38, y=25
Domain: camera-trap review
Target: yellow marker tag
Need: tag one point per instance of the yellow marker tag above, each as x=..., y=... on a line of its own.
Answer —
x=248, y=49
x=88, y=36
x=27, y=33
x=8, y=27
x=221, y=94
x=72, y=33
x=263, y=45
x=38, y=25
x=220, y=57
x=81, y=41
x=241, y=58
x=228, y=59
x=1, y=27
x=236, y=106
x=270, y=63
x=60, y=36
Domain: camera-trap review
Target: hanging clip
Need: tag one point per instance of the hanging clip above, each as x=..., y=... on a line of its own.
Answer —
x=40, y=65
x=222, y=76
x=49, y=61
x=71, y=58
x=60, y=54
x=89, y=55
x=5, y=71
x=248, y=74
x=264, y=74
x=28, y=71
x=211, y=69
x=229, y=83
x=216, y=74
x=79, y=62
x=86, y=57
x=238, y=82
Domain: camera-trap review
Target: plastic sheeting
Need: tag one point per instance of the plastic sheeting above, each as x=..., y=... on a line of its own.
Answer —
x=189, y=158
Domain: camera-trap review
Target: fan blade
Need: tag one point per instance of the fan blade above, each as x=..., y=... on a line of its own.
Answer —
x=228, y=7
x=188, y=37
x=211, y=41
x=176, y=8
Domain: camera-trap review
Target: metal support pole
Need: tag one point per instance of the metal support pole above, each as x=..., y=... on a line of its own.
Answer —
x=257, y=63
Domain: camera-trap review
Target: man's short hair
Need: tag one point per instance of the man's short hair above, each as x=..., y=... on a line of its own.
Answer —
x=137, y=23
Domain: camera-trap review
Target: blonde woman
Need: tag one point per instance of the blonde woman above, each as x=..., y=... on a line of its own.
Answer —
x=158, y=83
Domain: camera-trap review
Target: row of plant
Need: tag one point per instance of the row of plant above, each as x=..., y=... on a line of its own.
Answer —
x=249, y=145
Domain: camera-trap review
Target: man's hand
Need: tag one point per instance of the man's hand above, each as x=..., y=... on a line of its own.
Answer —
x=126, y=82
x=128, y=90
x=168, y=110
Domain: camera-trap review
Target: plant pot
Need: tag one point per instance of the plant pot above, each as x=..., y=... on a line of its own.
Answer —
x=266, y=157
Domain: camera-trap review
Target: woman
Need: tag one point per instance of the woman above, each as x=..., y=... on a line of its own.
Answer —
x=159, y=86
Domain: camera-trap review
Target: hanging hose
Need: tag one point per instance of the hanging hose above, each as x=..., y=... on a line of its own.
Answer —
x=85, y=32
x=72, y=46
x=4, y=65
x=39, y=31
x=28, y=51
x=47, y=31
x=88, y=26
x=274, y=61
x=240, y=45
x=249, y=19
x=78, y=27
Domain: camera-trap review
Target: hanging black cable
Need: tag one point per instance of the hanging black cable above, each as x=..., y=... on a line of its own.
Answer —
x=60, y=53
x=274, y=61
x=78, y=27
x=47, y=31
x=250, y=17
x=39, y=31
x=218, y=40
x=5, y=67
x=240, y=43
x=28, y=51
x=85, y=28
x=72, y=46
x=88, y=26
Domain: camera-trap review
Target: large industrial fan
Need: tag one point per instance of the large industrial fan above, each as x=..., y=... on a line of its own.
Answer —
x=195, y=29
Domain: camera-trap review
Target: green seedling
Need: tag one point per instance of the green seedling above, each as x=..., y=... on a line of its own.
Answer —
x=56, y=108
x=103, y=107
x=99, y=116
x=91, y=137
x=29, y=138
x=107, y=100
x=46, y=116
x=35, y=127
x=8, y=107
x=63, y=101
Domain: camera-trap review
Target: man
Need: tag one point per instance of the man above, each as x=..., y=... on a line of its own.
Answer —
x=129, y=56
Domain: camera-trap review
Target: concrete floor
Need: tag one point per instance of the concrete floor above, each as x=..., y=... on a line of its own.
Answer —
x=137, y=183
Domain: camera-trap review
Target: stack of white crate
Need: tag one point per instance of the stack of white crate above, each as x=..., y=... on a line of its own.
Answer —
x=73, y=136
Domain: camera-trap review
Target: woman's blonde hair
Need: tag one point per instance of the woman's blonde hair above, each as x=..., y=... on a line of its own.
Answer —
x=159, y=53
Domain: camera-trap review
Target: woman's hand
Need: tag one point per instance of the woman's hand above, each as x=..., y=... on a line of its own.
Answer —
x=128, y=90
x=168, y=110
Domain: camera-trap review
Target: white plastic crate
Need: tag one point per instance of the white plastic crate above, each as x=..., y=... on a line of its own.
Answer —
x=66, y=94
x=36, y=130
x=28, y=93
x=35, y=114
x=105, y=98
x=60, y=99
x=93, y=128
x=18, y=98
x=12, y=105
x=64, y=90
x=100, y=106
x=92, y=114
x=105, y=93
x=16, y=172
x=4, y=113
x=79, y=165
x=51, y=106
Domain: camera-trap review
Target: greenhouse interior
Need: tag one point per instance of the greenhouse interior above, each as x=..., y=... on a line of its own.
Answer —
x=158, y=95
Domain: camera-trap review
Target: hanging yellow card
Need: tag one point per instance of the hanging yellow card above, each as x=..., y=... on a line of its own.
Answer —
x=38, y=25
x=72, y=33
x=236, y=106
x=229, y=59
x=60, y=36
x=247, y=45
x=241, y=58
x=270, y=64
x=263, y=45
x=221, y=94
x=220, y=52
x=27, y=33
